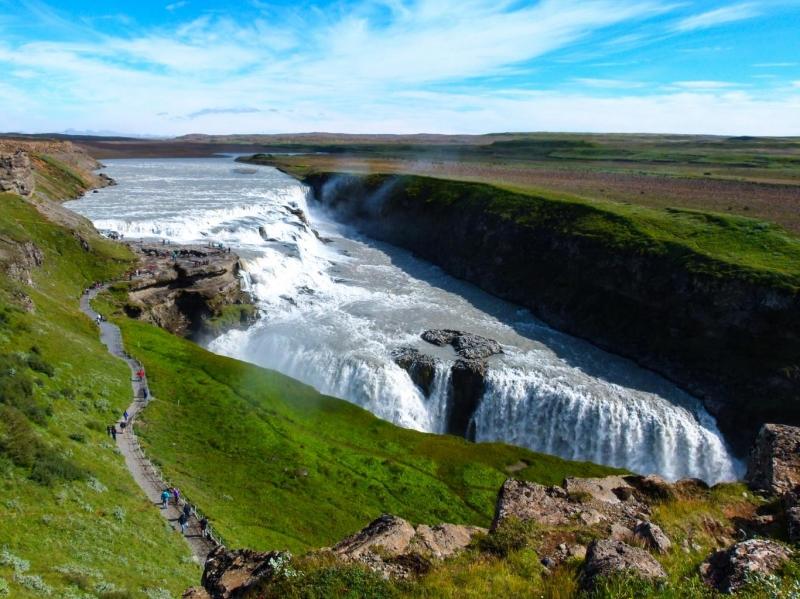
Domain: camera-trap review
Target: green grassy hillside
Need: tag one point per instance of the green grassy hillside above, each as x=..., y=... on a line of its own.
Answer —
x=72, y=521
x=277, y=465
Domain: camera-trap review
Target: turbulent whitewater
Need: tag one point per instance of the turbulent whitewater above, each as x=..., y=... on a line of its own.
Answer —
x=334, y=306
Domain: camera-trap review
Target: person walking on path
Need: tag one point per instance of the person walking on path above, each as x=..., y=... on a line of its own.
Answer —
x=184, y=522
x=165, y=498
x=204, y=527
x=187, y=510
x=125, y=415
x=114, y=432
x=176, y=494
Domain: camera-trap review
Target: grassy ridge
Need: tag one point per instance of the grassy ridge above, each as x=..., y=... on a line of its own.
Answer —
x=276, y=464
x=716, y=244
x=74, y=523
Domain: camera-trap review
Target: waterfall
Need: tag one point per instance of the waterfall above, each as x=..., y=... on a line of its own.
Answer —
x=334, y=307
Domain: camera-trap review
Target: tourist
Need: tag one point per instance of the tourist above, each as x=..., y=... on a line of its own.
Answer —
x=204, y=527
x=184, y=522
x=187, y=509
x=108, y=431
x=165, y=495
x=176, y=494
x=125, y=415
x=114, y=432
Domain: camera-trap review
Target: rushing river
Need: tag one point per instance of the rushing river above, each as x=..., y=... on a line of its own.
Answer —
x=334, y=309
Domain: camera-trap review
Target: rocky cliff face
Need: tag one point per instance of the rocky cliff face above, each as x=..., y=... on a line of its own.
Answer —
x=735, y=343
x=16, y=173
x=56, y=170
x=188, y=290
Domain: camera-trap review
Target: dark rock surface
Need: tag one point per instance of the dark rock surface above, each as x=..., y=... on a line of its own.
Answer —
x=468, y=383
x=232, y=573
x=774, y=464
x=608, y=557
x=468, y=375
x=420, y=367
x=728, y=570
x=466, y=345
x=791, y=502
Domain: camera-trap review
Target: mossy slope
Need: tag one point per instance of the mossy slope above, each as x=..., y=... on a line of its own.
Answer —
x=72, y=521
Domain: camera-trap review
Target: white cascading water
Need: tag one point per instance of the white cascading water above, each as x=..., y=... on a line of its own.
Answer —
x=334, y=309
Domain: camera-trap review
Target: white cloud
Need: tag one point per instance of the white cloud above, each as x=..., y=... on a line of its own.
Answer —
x=176, y=5
x=776, y=65
x=608, y=83
x=719, y=16
x=351, y=72
x=705, y=85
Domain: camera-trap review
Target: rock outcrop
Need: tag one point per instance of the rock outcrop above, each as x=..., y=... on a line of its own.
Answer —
x=791, y=502
x=466, y=345
x=774, y=464
x=420, y=367
x=608, y=558
x=232, y=573
x=16, y=173
x=652, y=536
x=728, y=570
x=392, y=547
x=184, y=288
x=591, y=501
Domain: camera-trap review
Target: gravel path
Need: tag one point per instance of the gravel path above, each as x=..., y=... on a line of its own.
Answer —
x=143, y=471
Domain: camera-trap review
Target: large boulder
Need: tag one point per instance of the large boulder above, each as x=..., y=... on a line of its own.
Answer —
x=652, y=536
x=231, y=573
x=393, y=548
x=590, y=501
x=444, y=540
x=791, y=502
x=728, y=570
x=420, y=367
x=16, y=173
x=608, y=557
x=610, y=489
x=525, y=500
x=774, y=464
x=387, y=535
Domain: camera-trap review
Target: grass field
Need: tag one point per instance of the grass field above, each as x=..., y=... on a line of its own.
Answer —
x=754, y=177
x=73, y=522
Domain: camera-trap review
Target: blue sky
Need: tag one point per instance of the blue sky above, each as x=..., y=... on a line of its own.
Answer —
x=449, y=66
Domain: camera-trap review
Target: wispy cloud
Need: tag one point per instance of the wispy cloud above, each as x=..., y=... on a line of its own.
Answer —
x=719, y=16
x=776, y=65
x=705, y=84
x=208, y=111
x=176, y=5
x=377, y=65
x=608, y=83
